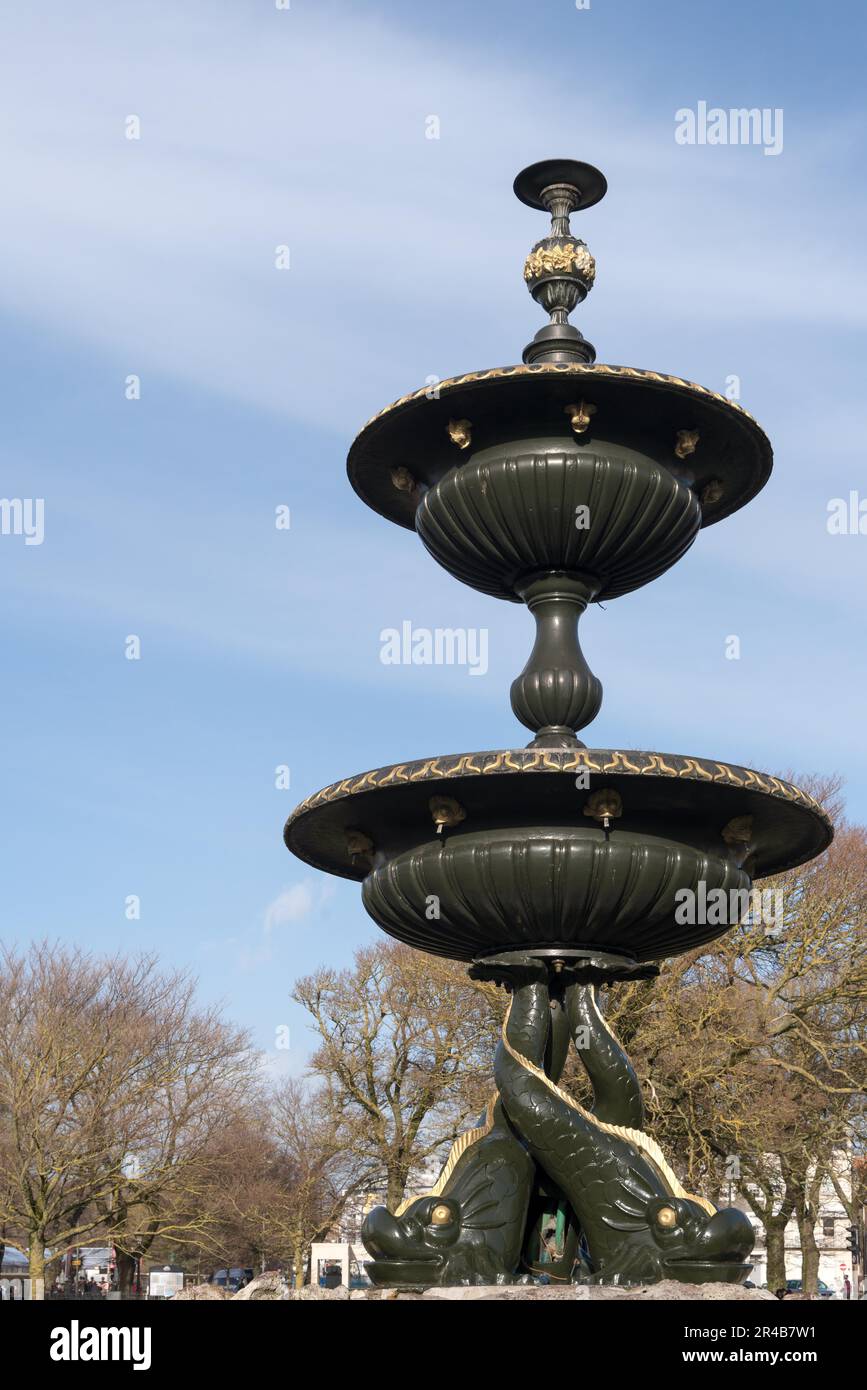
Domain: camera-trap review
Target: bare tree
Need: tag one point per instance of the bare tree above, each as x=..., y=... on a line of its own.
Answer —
x=112, y=1083
x=404, y=1056
x=288, y=1181
x=197, y=1072
x=754, y=1052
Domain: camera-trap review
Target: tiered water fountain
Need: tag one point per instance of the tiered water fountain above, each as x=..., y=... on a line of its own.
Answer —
x=554, y=868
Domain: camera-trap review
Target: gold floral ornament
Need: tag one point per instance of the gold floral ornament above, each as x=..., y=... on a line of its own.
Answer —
x=579, y=416
x=568, y=256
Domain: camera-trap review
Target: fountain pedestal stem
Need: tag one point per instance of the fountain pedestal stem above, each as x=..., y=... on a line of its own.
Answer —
x=557, y=693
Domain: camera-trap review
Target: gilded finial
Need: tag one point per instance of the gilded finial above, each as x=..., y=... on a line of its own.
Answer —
x=560, y=270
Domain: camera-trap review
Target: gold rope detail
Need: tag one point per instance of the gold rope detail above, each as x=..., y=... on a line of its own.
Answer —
x=458, y=1149
x=636, y=1137
x=596, y=369
x=553, y=760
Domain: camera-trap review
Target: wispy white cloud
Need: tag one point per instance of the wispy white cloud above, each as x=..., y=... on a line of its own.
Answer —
x=161, y=251
x=276, y=1064
x=290, y=906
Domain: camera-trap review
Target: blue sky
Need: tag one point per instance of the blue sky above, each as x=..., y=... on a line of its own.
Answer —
x=155, y=257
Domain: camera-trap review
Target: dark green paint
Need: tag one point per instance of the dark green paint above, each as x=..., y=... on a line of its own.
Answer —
x=576, y=486
x=594, y=1190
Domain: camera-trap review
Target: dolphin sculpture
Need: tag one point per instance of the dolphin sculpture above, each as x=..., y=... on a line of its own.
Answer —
x=637, y=1222
x=624, y=1216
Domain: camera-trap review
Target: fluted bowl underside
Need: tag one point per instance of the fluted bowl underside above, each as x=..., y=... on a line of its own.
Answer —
x=478, y=894
x=547, y=504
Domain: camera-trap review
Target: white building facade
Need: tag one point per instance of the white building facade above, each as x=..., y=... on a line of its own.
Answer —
x=831, y=1230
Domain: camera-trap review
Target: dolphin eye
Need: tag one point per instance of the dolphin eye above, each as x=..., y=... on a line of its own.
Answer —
x=441, y=1215
x=666, y=1217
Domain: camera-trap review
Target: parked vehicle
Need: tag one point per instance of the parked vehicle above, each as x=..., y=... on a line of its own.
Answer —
x=331, y=1276
x=232, y=1279
x=795, y=1286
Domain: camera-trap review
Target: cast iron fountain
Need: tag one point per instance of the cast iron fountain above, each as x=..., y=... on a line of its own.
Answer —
x=555, y=868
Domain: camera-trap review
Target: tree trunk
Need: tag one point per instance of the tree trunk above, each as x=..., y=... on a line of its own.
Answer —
x=775, y=1236
x=809, y=1253
x=37, y=1267
x=299, y=1267
x=775, y=1223
x=125, y=1272
x=397, y=1177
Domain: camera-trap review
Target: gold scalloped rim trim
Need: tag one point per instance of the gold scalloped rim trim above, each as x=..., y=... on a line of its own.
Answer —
x=578, y=369
x=602, y=760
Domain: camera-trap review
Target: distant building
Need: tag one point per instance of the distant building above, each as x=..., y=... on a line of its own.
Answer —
x=14, y=1278
x=348, y=1228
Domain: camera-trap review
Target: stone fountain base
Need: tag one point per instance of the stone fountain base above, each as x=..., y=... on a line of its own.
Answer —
x=270, y=1286
x=668, y=1290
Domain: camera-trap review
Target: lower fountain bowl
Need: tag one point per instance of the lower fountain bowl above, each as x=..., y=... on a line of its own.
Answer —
x=527, y=863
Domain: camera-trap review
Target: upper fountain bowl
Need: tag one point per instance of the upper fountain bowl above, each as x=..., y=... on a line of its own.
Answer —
x=657, y=455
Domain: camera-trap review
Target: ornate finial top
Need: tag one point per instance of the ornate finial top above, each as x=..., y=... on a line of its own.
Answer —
x=560, y=270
